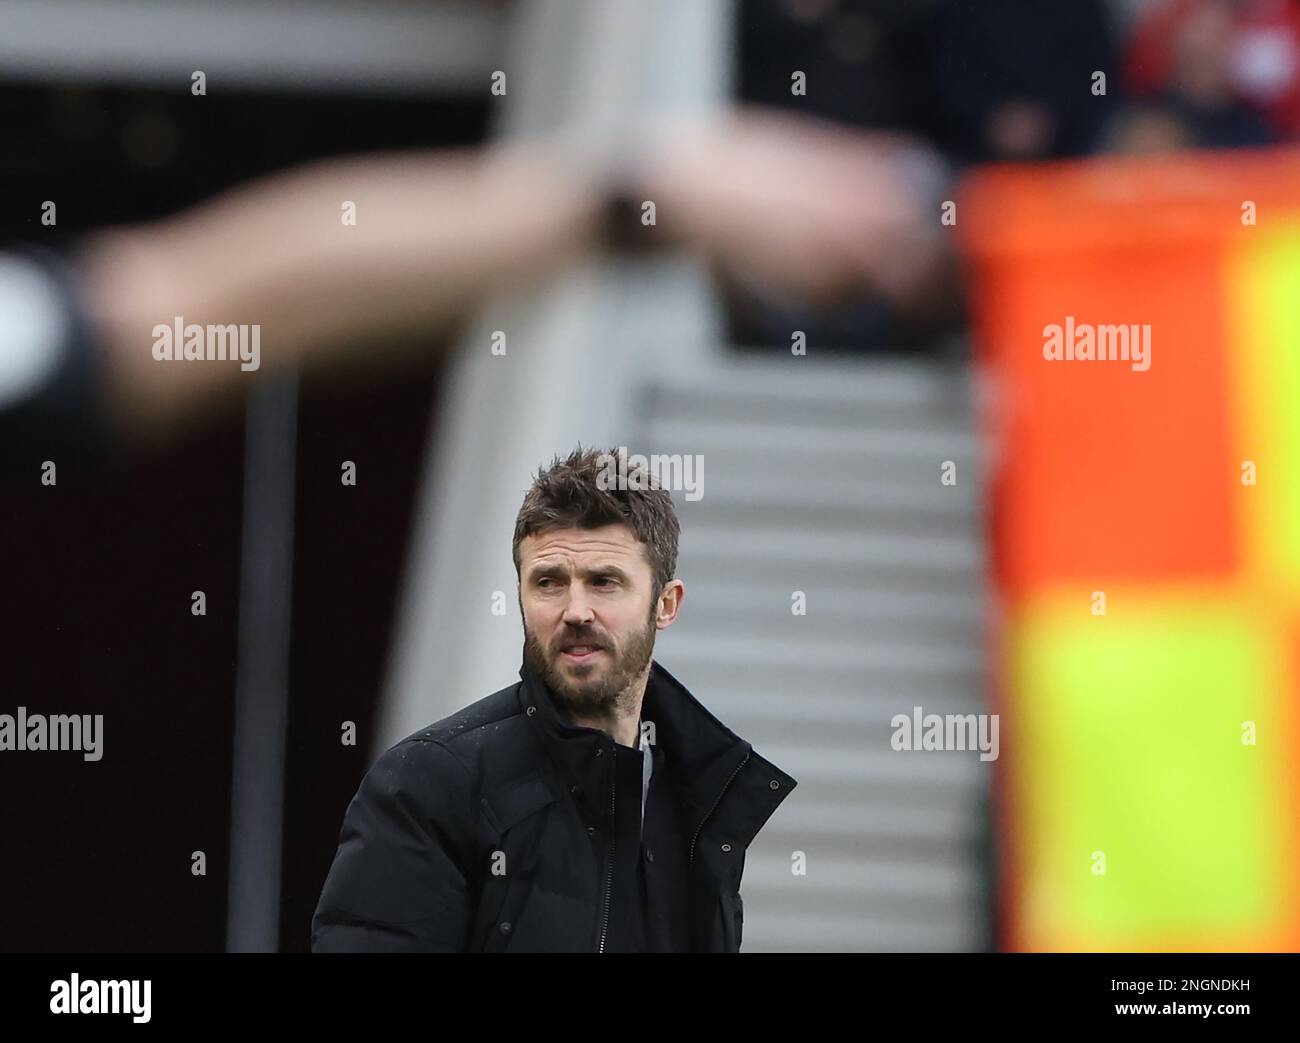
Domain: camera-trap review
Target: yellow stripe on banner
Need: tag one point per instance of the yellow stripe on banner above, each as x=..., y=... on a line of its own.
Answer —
x=1143, y=820
x=1263, y=297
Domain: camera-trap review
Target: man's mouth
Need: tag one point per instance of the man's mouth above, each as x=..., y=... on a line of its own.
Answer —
x=578, y=653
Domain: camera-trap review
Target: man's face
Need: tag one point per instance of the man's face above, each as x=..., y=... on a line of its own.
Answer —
x=590, y=613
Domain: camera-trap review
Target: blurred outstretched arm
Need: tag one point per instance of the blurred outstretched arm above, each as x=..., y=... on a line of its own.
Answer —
x=810, y=209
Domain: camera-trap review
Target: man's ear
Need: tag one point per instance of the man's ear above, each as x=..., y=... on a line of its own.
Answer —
x=669, y=603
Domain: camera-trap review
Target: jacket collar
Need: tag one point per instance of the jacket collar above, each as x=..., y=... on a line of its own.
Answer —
x=706, y=754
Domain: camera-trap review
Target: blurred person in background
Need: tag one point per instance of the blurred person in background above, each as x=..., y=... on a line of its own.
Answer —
x=1213, y=74
x=1208, y=74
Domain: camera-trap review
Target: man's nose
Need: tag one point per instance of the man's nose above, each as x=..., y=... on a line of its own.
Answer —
x=578, y=612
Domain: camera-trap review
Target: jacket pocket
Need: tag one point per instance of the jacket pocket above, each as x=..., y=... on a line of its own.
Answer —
x=533, y=918
x=510, y=805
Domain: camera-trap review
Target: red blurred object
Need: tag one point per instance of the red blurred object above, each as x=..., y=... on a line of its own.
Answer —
x=1263, y=54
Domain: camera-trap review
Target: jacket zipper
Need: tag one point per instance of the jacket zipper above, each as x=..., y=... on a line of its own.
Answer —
x=714, y=808
x=609, y=872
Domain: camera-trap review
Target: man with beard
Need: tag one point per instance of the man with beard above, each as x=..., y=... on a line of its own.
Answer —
x=595, y=805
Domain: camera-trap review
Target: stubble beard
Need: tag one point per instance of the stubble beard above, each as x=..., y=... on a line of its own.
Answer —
x=604, y=692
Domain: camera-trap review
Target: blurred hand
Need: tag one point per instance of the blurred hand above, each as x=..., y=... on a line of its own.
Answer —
x=806, y=207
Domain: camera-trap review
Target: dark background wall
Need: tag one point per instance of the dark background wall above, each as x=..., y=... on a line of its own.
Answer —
x=97, y=572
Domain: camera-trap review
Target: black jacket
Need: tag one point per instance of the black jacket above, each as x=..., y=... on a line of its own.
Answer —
x=488, y=831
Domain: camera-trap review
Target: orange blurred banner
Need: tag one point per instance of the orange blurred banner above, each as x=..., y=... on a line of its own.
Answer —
x=1138, y=323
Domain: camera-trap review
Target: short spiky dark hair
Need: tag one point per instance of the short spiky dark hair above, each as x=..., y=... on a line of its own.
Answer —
x=566, y=495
